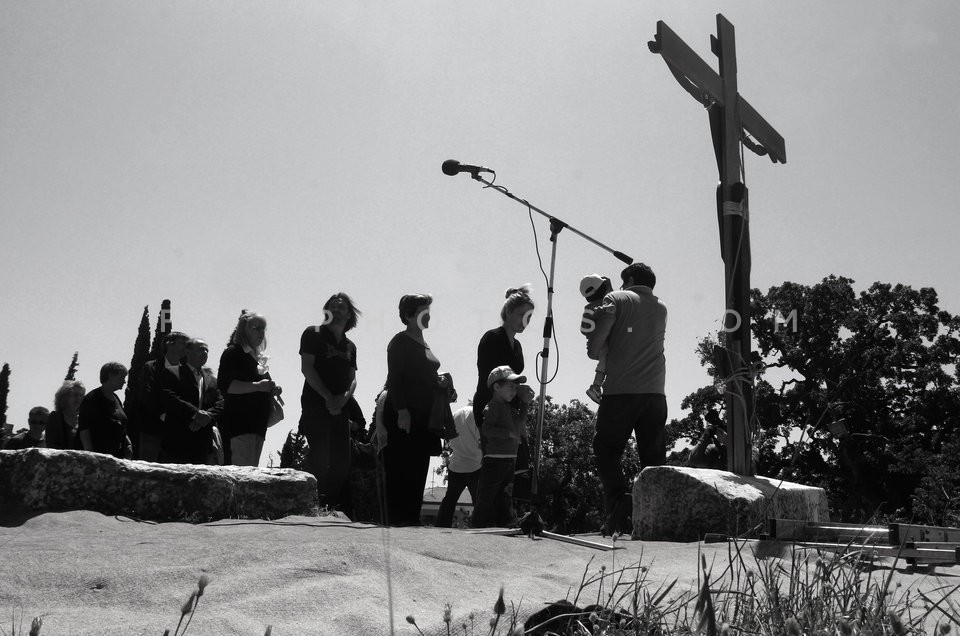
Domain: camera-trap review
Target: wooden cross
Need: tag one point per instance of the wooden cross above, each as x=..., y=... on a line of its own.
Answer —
x=731, y=116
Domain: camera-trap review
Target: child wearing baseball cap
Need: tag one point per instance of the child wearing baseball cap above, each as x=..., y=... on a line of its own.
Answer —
x=594, y=287
x=504, y=425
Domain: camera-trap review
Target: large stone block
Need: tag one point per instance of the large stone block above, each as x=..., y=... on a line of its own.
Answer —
x=671, y=503
x=40, y=479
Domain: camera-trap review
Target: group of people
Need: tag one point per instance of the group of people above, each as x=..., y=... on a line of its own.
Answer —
x=184, y=413
x=187, y=414
x=625, y=331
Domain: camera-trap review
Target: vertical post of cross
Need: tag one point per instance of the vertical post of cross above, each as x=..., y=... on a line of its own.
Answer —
x=730, y=115
x=732, y=208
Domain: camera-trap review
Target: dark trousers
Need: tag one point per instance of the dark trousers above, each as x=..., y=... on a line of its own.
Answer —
x=644, y=415
x=406, y=462
x=456, y=482
x=329, y=455
x=494, y=503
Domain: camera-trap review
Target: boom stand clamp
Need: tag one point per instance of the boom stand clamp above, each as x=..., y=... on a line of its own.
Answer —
x=531, y=524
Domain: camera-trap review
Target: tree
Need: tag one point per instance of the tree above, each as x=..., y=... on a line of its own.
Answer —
x=141, y=353
x=4, y=392
x=131, y=399
x=164, y=326
x=294, y=451
x=854, y=393
x=72, y=369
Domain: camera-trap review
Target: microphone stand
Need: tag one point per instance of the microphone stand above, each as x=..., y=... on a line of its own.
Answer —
x=531, y=523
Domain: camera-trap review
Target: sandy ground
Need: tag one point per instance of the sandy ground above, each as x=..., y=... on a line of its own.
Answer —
x=87, y=573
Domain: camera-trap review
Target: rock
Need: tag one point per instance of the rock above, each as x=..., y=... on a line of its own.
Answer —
x=671, y=503
x=41, y=479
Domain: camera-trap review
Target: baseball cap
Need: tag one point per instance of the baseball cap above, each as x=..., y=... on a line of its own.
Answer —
x=591, y=283
x=504, y=373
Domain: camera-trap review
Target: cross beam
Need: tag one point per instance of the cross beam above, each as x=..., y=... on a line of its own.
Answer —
x=732, y=121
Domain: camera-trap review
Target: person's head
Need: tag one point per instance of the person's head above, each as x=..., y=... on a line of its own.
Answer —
x=638, y=274
x=414, y=310
x=340, y=309
x=112, y=376
x=594, y=287
x=504, y=383
x=175, y=345
x=197, y=353
x=37, y=420
x=69, y=396
x=251, y=331
x=517, y=309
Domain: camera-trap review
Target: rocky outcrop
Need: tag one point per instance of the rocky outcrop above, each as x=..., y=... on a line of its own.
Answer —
x=671, y=503
x=40, y=479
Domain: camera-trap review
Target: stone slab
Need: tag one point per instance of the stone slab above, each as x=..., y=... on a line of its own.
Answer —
x=41, y=479
x=672, y=503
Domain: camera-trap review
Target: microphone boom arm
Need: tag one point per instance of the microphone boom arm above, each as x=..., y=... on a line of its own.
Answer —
x=561, y=224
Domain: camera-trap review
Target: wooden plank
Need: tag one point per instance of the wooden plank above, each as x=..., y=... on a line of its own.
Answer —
x=904, y=532
x=517, y=532
x=939, y=545
x=794, y=529
x=581, y=542
x=924, y=555
x=684, y=59
x=763, y=132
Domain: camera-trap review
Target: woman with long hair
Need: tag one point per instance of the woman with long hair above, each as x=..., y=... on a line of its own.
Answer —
x=247, y=388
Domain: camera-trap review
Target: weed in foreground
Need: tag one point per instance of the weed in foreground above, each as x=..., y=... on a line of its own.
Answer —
x=17, y=628
x=808, y=593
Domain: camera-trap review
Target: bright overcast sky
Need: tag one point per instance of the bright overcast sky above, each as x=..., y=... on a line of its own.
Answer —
x=230, y=155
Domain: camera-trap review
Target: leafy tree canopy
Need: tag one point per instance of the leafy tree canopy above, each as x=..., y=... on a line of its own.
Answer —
x=856, y=393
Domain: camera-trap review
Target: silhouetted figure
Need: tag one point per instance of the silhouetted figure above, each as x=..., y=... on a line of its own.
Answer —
x=328, y=361
x=192, y=404
x=103, y=424
x=163, y=371
x=33, y=436
x=63, y=421
x=463, y=467
x=247, y=388
x=630, y=327
x=411, y=382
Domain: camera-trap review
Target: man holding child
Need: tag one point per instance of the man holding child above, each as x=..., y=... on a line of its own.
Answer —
x=630, y=327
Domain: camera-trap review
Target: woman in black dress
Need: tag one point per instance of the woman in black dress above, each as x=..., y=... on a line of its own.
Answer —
x=247, y=388
x=411, y=387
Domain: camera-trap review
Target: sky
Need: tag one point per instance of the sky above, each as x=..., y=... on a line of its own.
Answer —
x=230, y=155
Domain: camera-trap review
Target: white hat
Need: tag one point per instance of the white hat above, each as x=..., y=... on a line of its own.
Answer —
x=591, y=283
x=503, y=373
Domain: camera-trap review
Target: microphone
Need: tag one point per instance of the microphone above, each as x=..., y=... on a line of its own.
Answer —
x=452, y=167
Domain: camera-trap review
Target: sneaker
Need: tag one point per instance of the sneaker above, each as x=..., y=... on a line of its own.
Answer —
x=595, y=393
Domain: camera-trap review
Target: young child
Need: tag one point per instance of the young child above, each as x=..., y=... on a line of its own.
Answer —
x=594, y=287
x=504, y=424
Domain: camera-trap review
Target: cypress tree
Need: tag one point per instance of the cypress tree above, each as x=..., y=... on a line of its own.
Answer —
x=4, y=392
x=72, y=369
x=164, y=326
x=141, y=353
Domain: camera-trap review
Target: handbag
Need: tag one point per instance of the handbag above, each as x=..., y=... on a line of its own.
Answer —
x=441, y=417
x=276, y=411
